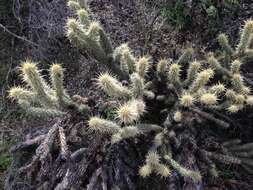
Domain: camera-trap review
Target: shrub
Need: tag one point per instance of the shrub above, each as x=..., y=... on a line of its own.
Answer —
x=182, y=14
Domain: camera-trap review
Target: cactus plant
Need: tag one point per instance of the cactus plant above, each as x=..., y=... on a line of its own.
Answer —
x=171, y=109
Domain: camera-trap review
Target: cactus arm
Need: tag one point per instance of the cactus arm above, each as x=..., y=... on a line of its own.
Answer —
x=183, y=171
x=245, y=37
x=224, y=43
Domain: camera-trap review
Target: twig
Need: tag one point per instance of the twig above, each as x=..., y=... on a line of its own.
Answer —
x=63, y=143
x=18, y=37
x=5, y=84
x=148, y=34
x=27, y=144
x=247, y=80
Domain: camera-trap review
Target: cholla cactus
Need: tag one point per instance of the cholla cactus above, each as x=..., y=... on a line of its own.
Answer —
x=39, y=99
x=197, y=91
x=174, y=105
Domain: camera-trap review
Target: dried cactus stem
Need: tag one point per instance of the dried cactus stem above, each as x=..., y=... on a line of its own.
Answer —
x=210, y=117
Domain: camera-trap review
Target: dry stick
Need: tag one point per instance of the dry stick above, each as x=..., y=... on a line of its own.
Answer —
x=63, y=143
x=94, y=179
x=5, y=84
x=27, y=144
x=43, y=150
x=19, y=37
x=210, y=117
x=77, y=155
x=224, y=158
x=148, y=34
x=247, y=80
x=223, y=116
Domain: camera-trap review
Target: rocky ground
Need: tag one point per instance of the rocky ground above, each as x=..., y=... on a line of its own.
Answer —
x=146, y=33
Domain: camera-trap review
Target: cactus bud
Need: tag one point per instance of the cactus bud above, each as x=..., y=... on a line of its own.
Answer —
x=149, y=94
x=145, y=171
x=249, y=100
x=118, y=52
x=131, y=111
x=72, y=24
x=187, y=100
x=239, y=99
x=74, y=5
x=56, y=74
x=233, y=108
x=231, y=94
x=162, y=170
x=177, y=116
x=235, y=67
x=83, y=17
x=116, y=138
x=129, y=131
x=152, y=158
x=208, y=99
x=93, y=31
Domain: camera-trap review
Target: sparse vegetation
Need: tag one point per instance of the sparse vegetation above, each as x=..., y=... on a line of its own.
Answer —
x=180, y=14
